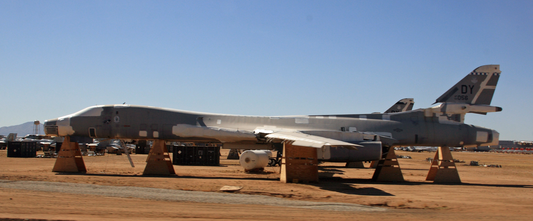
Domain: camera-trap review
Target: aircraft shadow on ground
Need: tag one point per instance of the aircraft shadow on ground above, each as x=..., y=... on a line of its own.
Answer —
x=326, y=182
x=326, y=168
x=350, y=188
x=349, y=185
x=412, y=183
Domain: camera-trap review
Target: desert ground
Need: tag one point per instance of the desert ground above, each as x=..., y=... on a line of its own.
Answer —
x=486, y=193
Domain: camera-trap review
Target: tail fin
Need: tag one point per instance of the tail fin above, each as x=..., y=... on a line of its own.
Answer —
x=11, y=137
x=476, y=88
x=472, y=94
x=402, y=105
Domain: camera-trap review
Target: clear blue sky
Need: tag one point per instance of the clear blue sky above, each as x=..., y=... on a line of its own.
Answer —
x=262, y=57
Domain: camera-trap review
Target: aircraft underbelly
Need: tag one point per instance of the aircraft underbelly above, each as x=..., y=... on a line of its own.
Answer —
x=367, y=151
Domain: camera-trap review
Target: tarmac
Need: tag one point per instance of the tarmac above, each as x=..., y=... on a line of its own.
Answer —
x=180, y=195
x=113, y=190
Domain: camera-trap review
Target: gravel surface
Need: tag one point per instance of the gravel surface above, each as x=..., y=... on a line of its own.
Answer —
x=179, y=195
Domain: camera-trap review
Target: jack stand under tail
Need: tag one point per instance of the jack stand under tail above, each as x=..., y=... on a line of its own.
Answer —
x=443, y=169
x=388, y=169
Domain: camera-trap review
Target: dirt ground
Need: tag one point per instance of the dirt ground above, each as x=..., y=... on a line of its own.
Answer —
x=486, y=193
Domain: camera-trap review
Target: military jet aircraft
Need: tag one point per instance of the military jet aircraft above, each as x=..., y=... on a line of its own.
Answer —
x=344, y=138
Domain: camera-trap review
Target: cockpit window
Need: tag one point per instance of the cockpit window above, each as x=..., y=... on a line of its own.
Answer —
x=90, y=112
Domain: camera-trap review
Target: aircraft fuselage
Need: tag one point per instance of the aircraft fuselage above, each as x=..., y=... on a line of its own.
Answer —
x=411, y=128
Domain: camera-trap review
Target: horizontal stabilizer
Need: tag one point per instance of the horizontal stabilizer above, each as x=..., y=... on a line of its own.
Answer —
x=450, y=108
x=453, y=112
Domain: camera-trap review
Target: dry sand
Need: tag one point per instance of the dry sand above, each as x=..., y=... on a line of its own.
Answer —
x=486, y=193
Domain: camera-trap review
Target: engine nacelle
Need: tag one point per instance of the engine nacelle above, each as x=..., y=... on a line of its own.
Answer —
x=370, y=150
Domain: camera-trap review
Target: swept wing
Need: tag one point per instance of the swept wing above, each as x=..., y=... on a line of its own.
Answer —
x=306, y=140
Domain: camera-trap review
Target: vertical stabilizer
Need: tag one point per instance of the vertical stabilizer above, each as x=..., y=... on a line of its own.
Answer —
x=472, y=94
x=402, y=105
x=476, y=88
x=11, y=137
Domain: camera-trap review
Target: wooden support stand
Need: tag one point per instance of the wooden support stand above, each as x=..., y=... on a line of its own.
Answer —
x=158, y=161
x=388, y=169
x=443, y=169
x=299, y=164
x=69, y=158
x=233, y=154
x=374, y=164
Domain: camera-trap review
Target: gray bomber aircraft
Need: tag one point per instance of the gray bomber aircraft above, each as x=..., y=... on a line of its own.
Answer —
x=343, y=138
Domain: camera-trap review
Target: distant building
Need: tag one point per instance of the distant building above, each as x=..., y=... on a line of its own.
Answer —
x=515, y=144
x=507, y=144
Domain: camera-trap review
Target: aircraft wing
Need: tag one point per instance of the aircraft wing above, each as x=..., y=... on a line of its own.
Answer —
x=301, y=139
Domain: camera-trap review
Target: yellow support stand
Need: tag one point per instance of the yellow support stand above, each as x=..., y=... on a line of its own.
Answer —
x=388, y=169
x=158, y=161
x=298, y=164
x=69, y=158
x=443, y=169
